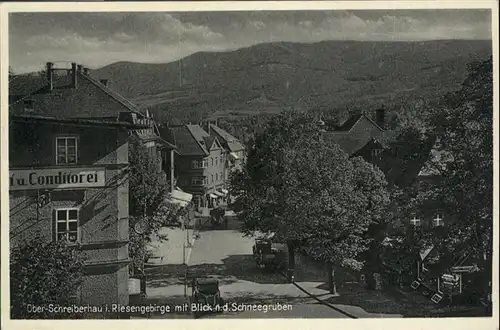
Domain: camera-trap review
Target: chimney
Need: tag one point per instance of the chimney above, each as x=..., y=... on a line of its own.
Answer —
x=105, y=82
x=86, y=71
x=73, y=75
x=79, y=68
x=380, y=117
x=50, y=78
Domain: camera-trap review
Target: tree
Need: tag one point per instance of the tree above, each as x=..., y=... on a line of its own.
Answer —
x=150, y=208
x=309, y=192
x=461, y=122
x=43, y=273
x=464, y=122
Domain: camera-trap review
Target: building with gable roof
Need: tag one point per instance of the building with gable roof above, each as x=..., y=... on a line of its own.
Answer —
x=201, y=164
x=65, y=122
x=235, y=151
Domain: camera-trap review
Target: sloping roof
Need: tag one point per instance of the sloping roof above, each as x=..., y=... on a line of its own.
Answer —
x=187, y=139
x=349, y=123
x=26, y=84
x=73, y=121
x=210, y=141
x=352, y=140
x=21, y=87
x=227, y=140
x=117, y=97
x=348, y=142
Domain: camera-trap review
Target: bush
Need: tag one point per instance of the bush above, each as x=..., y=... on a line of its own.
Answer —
x=43, y=273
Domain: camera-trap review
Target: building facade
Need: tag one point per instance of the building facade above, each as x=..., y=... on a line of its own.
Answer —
x=72, y=92
x=234, y=152
x=70, y=110
x=200, y=165
x=68, y=181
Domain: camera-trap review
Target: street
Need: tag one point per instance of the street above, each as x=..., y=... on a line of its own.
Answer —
x=227, y=256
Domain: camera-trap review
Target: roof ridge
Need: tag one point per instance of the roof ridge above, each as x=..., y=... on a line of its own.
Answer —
x=372, y=121
x=205, y=151
x=115, y=95
x=223, y=130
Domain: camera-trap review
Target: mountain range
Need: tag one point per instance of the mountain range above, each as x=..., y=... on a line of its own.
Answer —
x=266, y=78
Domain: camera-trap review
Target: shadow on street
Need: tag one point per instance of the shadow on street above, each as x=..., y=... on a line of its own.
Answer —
x=235, y=268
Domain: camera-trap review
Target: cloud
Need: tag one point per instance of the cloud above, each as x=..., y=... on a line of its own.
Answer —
x=97, y=39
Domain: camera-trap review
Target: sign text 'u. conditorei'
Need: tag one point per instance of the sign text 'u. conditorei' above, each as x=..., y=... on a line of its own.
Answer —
x=57, y=178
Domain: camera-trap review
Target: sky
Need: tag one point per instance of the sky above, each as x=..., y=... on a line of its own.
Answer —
x=102, y=38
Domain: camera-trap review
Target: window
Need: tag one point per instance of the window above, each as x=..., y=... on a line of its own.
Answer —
x=66, y=150
x=205, y=180
x=196, y=164
x=211, y=178
x=415, y=221
x=67, y=225
x=438, y=220
x=216, y=176
x=212, y=159
x=376, y=153
x=215, y=161
x=196, y=181
x=221, y=176
x=199, y=164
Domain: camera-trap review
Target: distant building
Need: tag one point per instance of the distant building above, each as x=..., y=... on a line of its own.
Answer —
x=201, y=164
x=68, y=181
x=235, y=151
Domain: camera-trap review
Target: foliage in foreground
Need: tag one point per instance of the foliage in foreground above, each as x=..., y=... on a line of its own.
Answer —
x=462, y=189
x=308, y=192
x=149, y=200
x=43, y=273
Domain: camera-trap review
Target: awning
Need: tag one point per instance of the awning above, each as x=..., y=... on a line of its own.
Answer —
x=219, y=193
x=224, y=191
x=213, y=196
x=232, y=154
x=181, y=198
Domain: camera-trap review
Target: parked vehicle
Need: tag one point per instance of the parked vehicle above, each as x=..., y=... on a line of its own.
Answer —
x=268, y=254
x=205, y=296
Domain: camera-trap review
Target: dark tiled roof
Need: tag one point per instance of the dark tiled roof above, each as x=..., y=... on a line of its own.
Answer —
x=187, y=143
x=350, y=143
x=117, y=97
x=21, y=87
x=349, y=123
x=199, y=135
x=26, y=84
x=209, y=141
x=228, y=141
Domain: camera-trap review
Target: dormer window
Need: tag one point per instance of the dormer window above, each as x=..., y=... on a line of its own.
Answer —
x=29, y=105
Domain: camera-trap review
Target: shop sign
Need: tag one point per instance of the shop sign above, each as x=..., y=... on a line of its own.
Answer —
x=57, y=178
